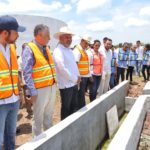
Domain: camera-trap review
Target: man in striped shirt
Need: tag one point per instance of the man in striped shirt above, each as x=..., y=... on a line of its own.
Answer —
x=39, y=76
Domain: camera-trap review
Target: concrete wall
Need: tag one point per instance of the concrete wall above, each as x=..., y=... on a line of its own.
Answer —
x=146, y=89
x=83, y=130
x=30, y=22
x=128, y=135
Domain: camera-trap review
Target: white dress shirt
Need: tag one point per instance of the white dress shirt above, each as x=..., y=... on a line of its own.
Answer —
x=107, y=60
x=6, y=53
x=77, y=56
x=66, y=68
x=139, y=51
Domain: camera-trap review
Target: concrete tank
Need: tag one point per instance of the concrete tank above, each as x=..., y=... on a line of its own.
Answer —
x=30, y=22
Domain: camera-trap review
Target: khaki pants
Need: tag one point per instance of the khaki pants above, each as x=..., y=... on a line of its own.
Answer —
x=43, y=109
x=104, y=85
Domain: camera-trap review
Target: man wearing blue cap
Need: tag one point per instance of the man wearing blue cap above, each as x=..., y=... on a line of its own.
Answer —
x=9, y=94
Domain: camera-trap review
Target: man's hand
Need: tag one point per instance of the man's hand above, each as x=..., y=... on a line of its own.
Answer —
x=79, y=80
x=91, y=79
x=115, y=74
x=31, y=99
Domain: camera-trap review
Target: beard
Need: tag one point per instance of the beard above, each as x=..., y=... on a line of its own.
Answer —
x=9, y=40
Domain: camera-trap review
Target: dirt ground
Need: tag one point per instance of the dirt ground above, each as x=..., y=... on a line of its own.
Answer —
x=144, y=143
x=136, y=89
x=24, y=124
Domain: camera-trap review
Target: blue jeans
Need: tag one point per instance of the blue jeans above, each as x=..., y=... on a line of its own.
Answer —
x=94, y=87
x=138, y=66
x=113, y=81
x=8, y=119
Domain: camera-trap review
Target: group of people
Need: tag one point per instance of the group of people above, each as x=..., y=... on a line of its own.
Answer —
x=132, y=59
x=95, y=66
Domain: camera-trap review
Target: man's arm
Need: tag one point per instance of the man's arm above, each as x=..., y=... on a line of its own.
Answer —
x=27, y=63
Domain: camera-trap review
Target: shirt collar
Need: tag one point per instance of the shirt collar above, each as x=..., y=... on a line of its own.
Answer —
x=107, y=51
x=2, y=48
x=38, y=44
x=62, y=46
x=80, y=47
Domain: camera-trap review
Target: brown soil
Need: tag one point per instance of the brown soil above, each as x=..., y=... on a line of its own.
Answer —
x=24, y=123
x=144, y=143
x=136, y=88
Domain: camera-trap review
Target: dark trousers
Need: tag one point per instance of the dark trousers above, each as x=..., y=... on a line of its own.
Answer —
x=113, y=81
x=120, y=72
x=81, y=92
x=69, y=100
x=87, y=85
x=94, y=87
x=129, y=72
x=146, y=68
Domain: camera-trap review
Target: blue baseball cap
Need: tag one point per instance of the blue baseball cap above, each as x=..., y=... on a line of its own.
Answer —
x=10, y=23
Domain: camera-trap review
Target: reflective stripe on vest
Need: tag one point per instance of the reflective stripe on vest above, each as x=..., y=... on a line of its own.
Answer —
x=83, y=64
x=113, y=62
x=146, y=56
x=43, y=72
x=123, y=56
x=97, y=64
x=9, y=74
x=133, y=56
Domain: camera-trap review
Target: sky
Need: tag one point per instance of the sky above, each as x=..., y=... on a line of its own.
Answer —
x=120, y=20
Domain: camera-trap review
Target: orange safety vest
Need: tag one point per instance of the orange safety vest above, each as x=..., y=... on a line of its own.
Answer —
x=97, y=63
x=43, y=72
x=9, y=74
x=83, y=64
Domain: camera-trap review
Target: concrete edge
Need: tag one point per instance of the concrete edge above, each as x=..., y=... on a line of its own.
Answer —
x=53, y=131
x=128, y=135
x=146, y=90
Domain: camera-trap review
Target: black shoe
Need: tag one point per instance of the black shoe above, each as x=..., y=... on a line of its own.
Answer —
x=18, y=131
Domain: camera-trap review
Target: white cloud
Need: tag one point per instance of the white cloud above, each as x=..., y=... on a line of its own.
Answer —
x=136, y=22
x=100, y=26
x=74, y=1
x=75, y=27
x=84, y=5
x=127, y=1
x=34, y=7
x=67, y=7
x=145, y=11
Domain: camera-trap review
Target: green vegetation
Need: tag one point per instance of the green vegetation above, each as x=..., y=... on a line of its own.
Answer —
x=107, y=142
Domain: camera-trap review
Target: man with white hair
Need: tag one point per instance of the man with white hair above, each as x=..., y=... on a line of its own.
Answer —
x=83, y=63
x=40, y=78
x=67, y=72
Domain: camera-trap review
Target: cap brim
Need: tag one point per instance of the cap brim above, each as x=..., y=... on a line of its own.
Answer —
x=21, y=29
x=89, y=42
